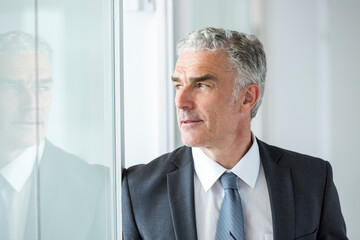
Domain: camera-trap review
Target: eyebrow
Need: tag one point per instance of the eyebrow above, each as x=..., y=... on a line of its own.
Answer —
x=206, y=77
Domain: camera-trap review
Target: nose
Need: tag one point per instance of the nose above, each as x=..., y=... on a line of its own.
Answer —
x=28, y=98
x=184, y=98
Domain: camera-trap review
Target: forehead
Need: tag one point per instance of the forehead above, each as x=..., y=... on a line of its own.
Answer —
x=202, y=62
x=23, y=66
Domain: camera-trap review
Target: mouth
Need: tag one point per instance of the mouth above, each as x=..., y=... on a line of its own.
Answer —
x=190, y=122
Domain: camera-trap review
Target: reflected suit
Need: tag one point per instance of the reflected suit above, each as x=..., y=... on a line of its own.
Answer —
x=158, y=198
x=72, y=198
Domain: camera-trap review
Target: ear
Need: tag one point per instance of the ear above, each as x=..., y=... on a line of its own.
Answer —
x=250, y=97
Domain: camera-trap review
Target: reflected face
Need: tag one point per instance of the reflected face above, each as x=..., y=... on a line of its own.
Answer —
x=24, y=102
x=208, y=116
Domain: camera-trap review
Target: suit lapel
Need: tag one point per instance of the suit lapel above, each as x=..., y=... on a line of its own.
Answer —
x=47, y=190
x=31, y=221
x=281, y=192
x=50, y=191
x=180, y=184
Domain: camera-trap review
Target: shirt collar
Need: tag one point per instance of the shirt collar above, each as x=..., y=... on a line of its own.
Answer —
x=18, y=171
x=210, y=171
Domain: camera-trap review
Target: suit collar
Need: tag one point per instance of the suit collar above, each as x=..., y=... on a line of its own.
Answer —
x=181, y=193
x=180, y=184
x=18, y=171
x=209, y=171
x=281, y=192
x=48, y=172
x=182, y=156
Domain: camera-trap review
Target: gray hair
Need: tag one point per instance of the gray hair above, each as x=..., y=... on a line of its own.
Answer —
x=17, y=41
x=245, y=52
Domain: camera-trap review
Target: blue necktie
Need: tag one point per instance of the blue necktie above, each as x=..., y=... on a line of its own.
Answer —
x=231, y=223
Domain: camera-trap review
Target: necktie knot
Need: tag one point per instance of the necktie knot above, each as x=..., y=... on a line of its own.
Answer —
x=228, y=180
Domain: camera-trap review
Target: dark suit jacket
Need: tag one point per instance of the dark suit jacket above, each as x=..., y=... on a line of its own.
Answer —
x=158, y=198
x=72, y=202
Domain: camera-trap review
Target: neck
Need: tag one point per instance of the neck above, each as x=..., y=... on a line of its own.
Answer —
x=8, y=155
x=5, y=158
x=230, y=154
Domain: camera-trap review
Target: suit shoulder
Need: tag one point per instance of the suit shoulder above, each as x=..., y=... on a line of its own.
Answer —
x=291, y=158
x=161, y=163
x=156, y=169
x=57, y=162
x=304, y=168
x=55, y=154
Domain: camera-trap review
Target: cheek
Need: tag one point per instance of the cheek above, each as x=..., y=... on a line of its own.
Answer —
x=214, y=118
x=177, y=115
x=45, y=100
x=225, y=118
x=8, y=107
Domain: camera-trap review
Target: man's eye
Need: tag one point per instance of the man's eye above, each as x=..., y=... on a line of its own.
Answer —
x=178, y=86
x=202, y=85
x=10, y=88
x=43, y=88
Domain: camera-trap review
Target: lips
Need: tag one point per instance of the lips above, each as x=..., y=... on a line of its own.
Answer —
x=190, y=123
x=189, y=118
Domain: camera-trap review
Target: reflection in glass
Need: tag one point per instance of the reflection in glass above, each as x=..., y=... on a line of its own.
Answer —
x=57, y=130
x=46, y=192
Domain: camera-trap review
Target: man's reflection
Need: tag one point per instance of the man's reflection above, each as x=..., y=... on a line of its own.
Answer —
x=24, y=102
x=68, y=201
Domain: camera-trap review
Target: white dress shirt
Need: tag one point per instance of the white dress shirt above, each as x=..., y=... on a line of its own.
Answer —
x=16, y=193
x=252, y=188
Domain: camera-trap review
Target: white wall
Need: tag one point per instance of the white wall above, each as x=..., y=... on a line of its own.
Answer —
x=311, y=98
x=146, y=82
x=344, y=38
x=292, y=94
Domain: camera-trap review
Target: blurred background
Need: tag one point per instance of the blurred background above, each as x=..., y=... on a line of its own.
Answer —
x=113, y=100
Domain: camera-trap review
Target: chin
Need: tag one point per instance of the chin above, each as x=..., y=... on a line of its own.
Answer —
x=25, y=140
x=193, y=142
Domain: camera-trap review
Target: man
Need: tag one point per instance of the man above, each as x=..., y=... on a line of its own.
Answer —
x=225, y=183
x=45, y=193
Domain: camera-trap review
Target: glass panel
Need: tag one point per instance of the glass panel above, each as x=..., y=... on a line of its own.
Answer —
x=19, y=123
x=56, y=120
